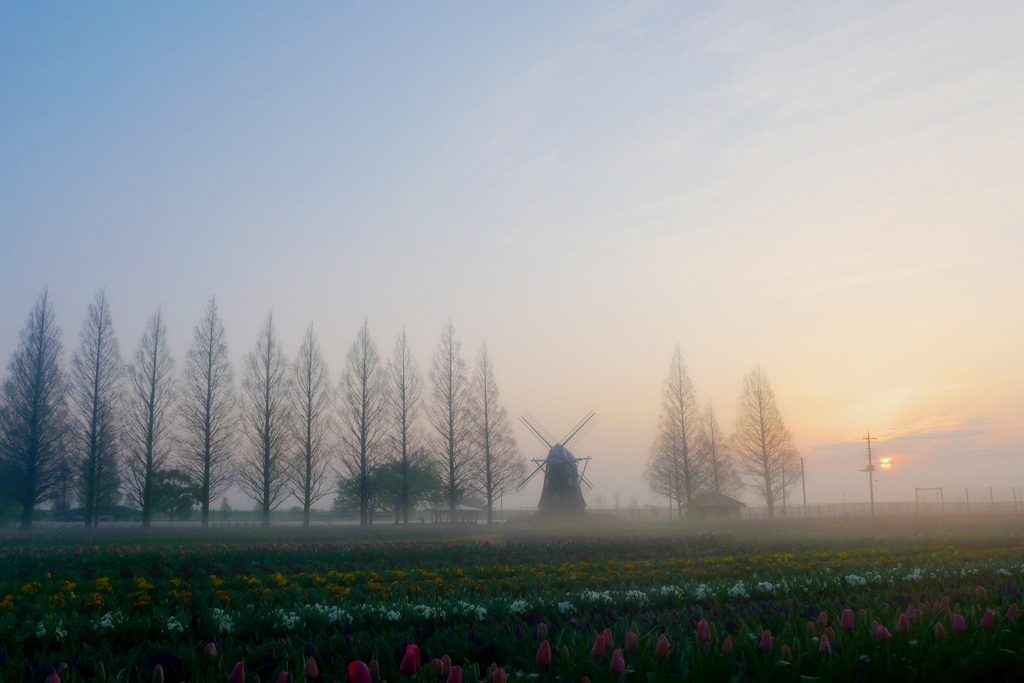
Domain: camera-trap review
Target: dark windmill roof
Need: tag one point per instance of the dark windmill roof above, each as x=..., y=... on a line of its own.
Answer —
x=715, y=500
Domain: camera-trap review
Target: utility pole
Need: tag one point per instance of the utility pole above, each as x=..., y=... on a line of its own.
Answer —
x=784, y=493
x=870, y=469
x=803, y=482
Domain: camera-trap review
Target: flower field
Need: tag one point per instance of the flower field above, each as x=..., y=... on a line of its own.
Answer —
x=651, y=609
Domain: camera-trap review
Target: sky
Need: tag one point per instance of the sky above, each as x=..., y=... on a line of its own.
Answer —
x=833, y=191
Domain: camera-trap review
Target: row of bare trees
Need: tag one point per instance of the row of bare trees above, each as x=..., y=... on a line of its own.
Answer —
x=691, y=456
x=103, y=428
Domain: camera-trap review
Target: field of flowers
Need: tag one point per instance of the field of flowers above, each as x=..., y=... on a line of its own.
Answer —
x=643, y=609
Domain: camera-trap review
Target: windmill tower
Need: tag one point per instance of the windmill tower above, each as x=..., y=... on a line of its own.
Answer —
x=564, y=478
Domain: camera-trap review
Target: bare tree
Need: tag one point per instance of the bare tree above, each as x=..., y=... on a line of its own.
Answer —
x=208, y=410
x=713, y=447
x=501, y=465
x=762, y=445
x=266, y=421
x=96, y=395
x=362, y=406
x=149, y=415
x=33, y=413
x=313, y=398
x=449, y=414
x=404, y=389
x=675, y=468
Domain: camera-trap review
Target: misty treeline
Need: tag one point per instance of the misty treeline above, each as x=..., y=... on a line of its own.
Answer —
x=166, y=436
x=692, y=456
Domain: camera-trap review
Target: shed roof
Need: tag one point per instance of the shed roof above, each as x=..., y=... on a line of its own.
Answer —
x=713, y=499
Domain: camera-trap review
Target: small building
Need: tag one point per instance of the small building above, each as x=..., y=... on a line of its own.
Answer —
x=463, y=514
x=105, y=514
x=713, y=506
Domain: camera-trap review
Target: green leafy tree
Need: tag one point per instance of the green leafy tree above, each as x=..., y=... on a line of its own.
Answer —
x=175, y=494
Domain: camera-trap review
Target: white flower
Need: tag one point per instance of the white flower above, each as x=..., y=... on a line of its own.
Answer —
x=59, y=631
x=565, y=607
x=739, y=590
x=518, y=607
x=40, y=630
x=636, y=597
x=855, y=580
x=701, y=592
x=392, y=615
x=174, y=626
x=223, y=620
x=765, y=587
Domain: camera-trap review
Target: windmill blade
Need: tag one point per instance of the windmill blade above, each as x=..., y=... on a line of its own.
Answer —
x=538, y=429
x=526, y=481
x=581, y=430
x=585, y=484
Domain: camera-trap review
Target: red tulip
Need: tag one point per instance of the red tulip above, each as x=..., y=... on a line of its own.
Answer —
x=237, y=674
x=282, y=677
x=609, y=641
x=663, y=647
x=825, y=646
x=787, y=653
x=1011, y=613
x=882, y=634
x=158, y=674
x=959, y=624
x=846, y=623
x=766, y=641
x=822, y=620
x=598, y=649
x=544, y=654
x=831, y=634
x=988, y=620
x=498, y=676
x=358, y=672
x=903, y=624
x=310, y=671
x=703, y=631
x=618, y=664
x=210, y=652
x=727, y=646
x=940, y=633
x=944, y=603
x=542, y=632
x=410, y=661
x=633, y=643
x=52, y=678
x=455, y=676
x=446, y=665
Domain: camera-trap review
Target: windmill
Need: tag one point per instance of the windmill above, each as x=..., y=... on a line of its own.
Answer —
x=565, y=481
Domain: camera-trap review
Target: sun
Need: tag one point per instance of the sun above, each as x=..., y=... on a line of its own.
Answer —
x=885, y=463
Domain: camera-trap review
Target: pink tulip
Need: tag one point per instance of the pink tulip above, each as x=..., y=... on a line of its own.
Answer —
x=498, y=676
x=455, y=676
x=52, y=678
x=882, y=634
x=959, y=624
x=831, y=634
x=598, y=649
x=787, y=653
x=727, y=646
x=767, y=643
x=210, y=652
x=618, y=664
x=1011, y=613
x=438, y=667
x=988, y=620
x=544, y=654
x=822, y=620
x=282, y=677
x=358, y=672
x=663, y=647
x=703, y=631
x=825, y=646
x=237, y=674
x=633, y=643
x=846, y=622
x=944, y=603
x=446, y=665
x=609, y=639
x=410, y=661
x=311, y=671
x=903, y=624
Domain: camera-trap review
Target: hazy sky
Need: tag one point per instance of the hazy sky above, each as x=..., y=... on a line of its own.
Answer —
x=834, y=191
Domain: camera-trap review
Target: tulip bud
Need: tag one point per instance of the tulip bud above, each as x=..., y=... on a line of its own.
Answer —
x=565, y=652
x=311, y=671
x=767, y=643
x=787, y=653
x=944, y=603
x=1011, y=613
x=598, y=649
x=727, y=646
x=455, y=676
x=282, y=677
x=982, y=594
x=618, y=664
x=446, y=665
x=825, y=646
x=822, y=620
x=210, y=652
x=584, y=679
x=158, y=674
x=499, y=676
x=237, y=674
x=810, y=628
x=410, y=661
x=882, y=634
x=903, y=624
x=52, y=678
x=703, y=631
x=633, y=643
x=988, y=620
x=358, y=672
x=959, y=624
x=940, y=633
x=542, y=631
x=101, y=673
x=374, y=670
x=438, y=667
x=544, y=654
x=662, y=648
